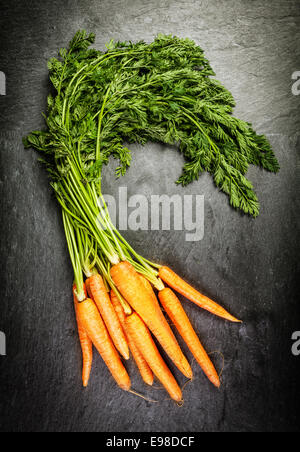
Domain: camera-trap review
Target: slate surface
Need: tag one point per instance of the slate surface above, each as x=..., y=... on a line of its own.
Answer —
x=251, y=267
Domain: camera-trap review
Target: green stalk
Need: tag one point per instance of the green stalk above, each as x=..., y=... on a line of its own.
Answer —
x=74, y=256
x=96, y=231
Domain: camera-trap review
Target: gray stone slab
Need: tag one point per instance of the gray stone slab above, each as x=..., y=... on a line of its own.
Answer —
x=250, y=266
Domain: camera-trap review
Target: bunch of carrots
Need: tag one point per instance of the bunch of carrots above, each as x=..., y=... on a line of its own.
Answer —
x=118, y=312
x=118, y=294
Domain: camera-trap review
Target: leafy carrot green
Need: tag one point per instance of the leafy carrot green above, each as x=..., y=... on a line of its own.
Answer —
x=162, y=91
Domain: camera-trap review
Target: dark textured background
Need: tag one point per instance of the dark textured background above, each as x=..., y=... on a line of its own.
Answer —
x=251, y=267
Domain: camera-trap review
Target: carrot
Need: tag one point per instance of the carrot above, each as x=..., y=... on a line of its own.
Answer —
x=118, y=308
x=96, y=330
x=178, y=316
x=148, y=287
x=178, y=284
x=145, y=371
x=98, y=293
x=129, y=283
x=147, y=347
x=87, y=286
x=86, y=345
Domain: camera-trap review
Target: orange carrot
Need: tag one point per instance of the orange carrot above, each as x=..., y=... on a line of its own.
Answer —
x=147, y=285
x=96, y=330
x=178, y=284
x=147, y=347
x=129, y=283
x=145, y=371
x=86, y=345
x=98, y=293
x=87, y=286
x=178, y=316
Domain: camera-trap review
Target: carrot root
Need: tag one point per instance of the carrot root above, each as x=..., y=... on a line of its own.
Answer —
x=145, y=303
x=147, y=347
x=178, y=316
x=85, y=343
x=96, y=330
x=99, y=294
x=182, y=287
x=145, y=371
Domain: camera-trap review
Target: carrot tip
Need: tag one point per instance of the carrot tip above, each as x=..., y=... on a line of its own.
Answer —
x=180, y=403
x=232, y=319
